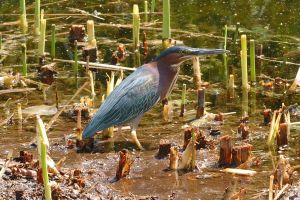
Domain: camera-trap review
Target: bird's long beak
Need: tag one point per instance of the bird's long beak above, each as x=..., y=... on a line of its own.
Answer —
x=193, y=52
x=196, y=51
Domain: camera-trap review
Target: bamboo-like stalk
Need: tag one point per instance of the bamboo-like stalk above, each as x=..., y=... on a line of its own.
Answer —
x=225, y=56
x=197, y=72
x=42, y=37
x=93, y=94
x=188, y=157
x=296, y=81
x=78, y=126
x=146, y=11
x=231, y=86
x=231, y=81
x=24, y=60
x=120, y=79
x=23, y=19
x=244, y=172
x=183, y=100
x=0, y=41
x=252, y=61
x=271, y=187
x=152, y=6
x=93, y=65
x=53, y=41
x=110, y=87
x=136, y=26
x=166, y=20
x=245, y=101
x=75, y=65
x=274, y=128
x=91, y=33
x=236, y=34
x=37, y=17
x=281, y=191
x=43, y=144
x=19, y=109
x=225, y=37
x=244, y=61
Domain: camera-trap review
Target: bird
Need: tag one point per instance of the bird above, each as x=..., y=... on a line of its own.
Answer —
x=142, y=89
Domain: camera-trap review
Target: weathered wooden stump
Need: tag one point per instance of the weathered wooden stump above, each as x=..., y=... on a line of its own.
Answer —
x=225, y=151
x=164, y=149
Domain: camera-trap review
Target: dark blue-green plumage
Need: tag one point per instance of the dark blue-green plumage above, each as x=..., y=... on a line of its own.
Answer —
x=142, y=89
x=133, y=97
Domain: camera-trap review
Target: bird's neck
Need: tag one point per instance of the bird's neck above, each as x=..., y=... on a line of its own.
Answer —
x=167, y=77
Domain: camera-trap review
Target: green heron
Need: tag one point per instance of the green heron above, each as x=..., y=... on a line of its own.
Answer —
x=142, y=89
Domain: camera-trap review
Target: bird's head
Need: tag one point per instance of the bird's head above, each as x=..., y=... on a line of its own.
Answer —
x=175, y=55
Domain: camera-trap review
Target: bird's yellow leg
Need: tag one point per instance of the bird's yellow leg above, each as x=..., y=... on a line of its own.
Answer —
x=135, y=139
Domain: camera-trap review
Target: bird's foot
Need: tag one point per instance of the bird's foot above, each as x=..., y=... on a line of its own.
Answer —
x=136, y=141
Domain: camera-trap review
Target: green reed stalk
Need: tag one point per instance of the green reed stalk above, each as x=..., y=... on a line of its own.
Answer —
x=183, y=94
x=252, y=61
x=225, y=56
x=225, y=37
x=166, y=20
x=146, y=11
x=244, y=61
x=152, y=6
x=24, y=60
x=37, y=17
x=44, y=143
x=245, y=101
x=236, y=34
x=53, y=41
x=75, y=58
x=0, y=41
x=136, y=26
x=23, y=19
x=42, y=38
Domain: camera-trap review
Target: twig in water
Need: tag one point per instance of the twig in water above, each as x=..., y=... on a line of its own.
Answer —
x=54, y=118
x=6, y=120
x=16, y=90
x=281, y=191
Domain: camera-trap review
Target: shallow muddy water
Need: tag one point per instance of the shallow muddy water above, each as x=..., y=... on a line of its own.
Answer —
x=195, y=23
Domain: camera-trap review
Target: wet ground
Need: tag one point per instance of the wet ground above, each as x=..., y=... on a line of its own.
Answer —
x=149, y=177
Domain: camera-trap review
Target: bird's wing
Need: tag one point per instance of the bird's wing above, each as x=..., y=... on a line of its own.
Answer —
x=133, y=97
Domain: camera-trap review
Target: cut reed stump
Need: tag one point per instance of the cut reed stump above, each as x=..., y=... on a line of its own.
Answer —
x=225, y=151
x=201, y=103
x=125, y=162
x=201, y=141
x=240, y=154
x=164, y=149
x=187, y=136
x=174, y=157
x=283, y=173
x=243, y=129
x=83, y=145
x=77, y=32
x=267, y=113
x=282, y=136
x=91, y=52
